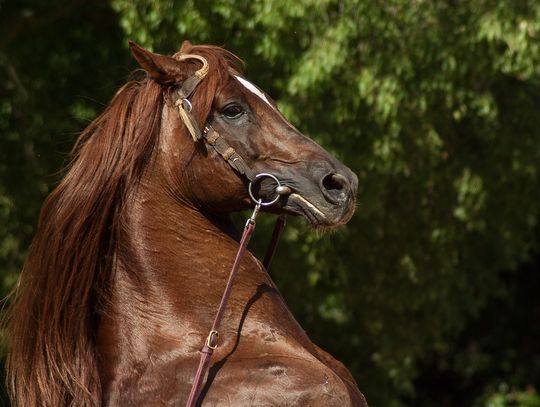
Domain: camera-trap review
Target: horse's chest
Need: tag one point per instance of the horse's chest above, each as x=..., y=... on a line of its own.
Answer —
x=269, y=381
x=275, y=382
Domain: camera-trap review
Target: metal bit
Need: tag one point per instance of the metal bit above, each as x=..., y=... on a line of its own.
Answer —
x=283, y=190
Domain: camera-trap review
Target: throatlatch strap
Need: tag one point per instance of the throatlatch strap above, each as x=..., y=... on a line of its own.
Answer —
x=184, y=108
x=185, y=92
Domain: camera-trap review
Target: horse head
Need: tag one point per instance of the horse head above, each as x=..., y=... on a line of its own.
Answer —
x=241, y=126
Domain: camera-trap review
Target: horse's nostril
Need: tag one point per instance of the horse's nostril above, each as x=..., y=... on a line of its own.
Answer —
x=335, y=188
x=335, y=182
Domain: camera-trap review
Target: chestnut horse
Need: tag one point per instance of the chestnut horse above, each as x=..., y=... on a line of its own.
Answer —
x=134, y=246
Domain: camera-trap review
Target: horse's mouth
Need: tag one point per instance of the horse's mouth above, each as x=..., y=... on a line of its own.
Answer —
x=297, y=204
x=301, y=206
x=323, y=209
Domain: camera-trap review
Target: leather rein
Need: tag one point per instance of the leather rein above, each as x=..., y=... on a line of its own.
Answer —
x=229, y=154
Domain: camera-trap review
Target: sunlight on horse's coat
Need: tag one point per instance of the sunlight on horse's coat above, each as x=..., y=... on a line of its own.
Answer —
x=253, y=89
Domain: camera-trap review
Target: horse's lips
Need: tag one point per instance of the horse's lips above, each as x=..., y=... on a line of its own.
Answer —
x=297, y=204
x=307, y=209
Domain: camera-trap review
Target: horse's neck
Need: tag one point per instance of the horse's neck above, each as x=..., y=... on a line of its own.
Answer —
x=170, y=270
x=170, y=267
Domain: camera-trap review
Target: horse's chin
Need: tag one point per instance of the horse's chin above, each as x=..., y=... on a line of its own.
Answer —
x=321, y=216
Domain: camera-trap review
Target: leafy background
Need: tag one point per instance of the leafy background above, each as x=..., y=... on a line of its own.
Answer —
x=430, y=294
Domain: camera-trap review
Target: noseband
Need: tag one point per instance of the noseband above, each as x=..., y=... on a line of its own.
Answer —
x=229, y=154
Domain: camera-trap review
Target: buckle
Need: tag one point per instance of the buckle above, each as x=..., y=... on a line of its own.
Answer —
x=211, y=340
x=186, y=105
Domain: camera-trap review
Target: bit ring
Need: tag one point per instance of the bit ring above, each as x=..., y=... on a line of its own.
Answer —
x=259, y=177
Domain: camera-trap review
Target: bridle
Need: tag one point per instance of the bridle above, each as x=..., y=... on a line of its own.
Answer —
x=231, y=156
x=208, y=134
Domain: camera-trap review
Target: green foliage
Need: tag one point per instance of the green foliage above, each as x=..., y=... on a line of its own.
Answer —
x=433, y=104
x=506, y=398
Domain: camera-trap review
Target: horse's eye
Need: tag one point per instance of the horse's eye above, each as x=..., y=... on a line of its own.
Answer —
x=233, y=111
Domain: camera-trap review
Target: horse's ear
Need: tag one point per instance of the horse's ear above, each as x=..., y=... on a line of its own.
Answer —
x=186, y=47
x=161, y=68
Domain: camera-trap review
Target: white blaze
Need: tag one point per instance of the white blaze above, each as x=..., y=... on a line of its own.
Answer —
x=253, y=89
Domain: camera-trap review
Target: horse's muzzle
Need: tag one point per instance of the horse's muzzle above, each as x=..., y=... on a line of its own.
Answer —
x=327, y=201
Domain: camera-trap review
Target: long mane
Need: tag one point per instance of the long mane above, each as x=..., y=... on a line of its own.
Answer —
x=52, y=359
x=52, y=321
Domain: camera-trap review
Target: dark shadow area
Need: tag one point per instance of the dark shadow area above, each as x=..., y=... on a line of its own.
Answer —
x=500, y=347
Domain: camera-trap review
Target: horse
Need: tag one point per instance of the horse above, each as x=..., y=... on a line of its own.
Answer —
x=134, y=245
